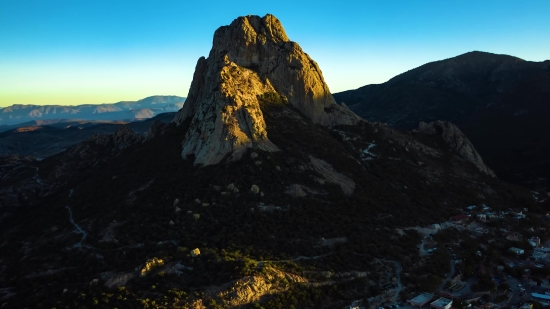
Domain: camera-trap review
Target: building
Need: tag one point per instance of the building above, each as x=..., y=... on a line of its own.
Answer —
x=540, y=296
x=442, y=303
x=534, y=241
x=421, y=300
x=459, y=218
x=514, y=236
x=481, y=217
x=516, y=211
x=517, y=251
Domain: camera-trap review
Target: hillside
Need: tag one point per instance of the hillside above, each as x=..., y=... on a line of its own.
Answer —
x=42, y=139
x=500, y=102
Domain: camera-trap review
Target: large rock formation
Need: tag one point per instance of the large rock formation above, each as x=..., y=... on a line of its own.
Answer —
x=250, y=58
x=453, y=137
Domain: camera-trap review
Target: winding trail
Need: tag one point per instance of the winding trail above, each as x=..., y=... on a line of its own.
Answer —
x=78, y=228
x=398, y=269
x=449, y=276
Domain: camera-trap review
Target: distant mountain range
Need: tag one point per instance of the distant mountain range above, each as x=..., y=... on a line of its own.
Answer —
x=501, y=102
x=43, y=138
x=17, y=114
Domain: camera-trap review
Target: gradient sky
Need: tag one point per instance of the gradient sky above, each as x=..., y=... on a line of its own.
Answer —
x=84, y=51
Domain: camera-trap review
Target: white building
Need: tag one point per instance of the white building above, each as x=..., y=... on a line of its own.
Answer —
x=442, y=303
x=517, y=251
x=421, y=300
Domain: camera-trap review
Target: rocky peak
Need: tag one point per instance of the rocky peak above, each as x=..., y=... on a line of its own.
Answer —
x=125, y=136
x=455, y=139
x=155, y=129
x=250, y=58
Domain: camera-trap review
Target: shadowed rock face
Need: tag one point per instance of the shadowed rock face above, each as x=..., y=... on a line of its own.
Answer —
x=453, y=137
x=250, y=58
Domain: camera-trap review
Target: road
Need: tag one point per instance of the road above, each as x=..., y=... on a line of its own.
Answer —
x=449, y=276
x=399, y=288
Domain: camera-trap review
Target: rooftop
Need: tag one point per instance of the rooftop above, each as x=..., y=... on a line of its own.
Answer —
x=459, y=217
x=421, y=299
x=442, y=302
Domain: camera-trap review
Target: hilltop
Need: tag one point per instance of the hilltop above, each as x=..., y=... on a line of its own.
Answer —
x=500, y=102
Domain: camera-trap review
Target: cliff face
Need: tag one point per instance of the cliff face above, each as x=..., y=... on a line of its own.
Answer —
x=455, y=139
x=250, y=58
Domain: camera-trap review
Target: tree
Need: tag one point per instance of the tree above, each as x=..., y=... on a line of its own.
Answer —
x=504, y=286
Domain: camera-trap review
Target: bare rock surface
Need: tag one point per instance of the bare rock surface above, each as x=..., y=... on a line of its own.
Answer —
x=452, y=135
x=251, y=289
x=333, y=176
x=250, y=58
x=296, y=190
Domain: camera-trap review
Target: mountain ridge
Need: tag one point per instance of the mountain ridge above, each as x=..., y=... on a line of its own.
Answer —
x=499, y=101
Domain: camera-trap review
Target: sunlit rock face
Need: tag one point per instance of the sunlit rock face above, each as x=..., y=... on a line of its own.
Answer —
x=250, y=58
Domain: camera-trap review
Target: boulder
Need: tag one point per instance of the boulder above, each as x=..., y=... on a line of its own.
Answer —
x=156, y=129
x=296, y=190
x=150, y=264
x=255, y=189
x=195, y=252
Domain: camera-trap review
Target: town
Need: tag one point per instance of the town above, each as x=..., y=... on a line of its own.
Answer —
x=494, y=258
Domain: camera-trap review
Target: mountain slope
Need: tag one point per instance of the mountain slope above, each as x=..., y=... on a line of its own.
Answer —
x=352, y=182
x=500, y=102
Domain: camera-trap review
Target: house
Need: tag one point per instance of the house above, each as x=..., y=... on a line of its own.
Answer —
x=442, y=303
x=471, y=207
x=539, y=254
x=421, y=300
x=517, y=251
x=516, y=211
x=515, y=236
x=481, y=217
x=534, y=241
x=485, y=207
x=459, y=218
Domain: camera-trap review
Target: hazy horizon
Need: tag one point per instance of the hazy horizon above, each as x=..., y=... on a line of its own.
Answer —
x=72, y=53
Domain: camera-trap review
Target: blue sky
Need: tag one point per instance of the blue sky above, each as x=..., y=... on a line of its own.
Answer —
x=83, y=51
